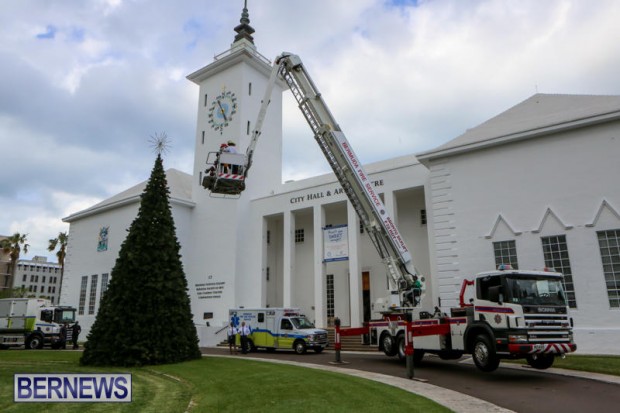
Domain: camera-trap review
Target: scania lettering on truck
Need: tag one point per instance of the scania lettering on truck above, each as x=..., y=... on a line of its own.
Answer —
x=279, y=328
x=34, y=323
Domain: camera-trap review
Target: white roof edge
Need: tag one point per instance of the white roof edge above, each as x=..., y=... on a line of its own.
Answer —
x=426, y=156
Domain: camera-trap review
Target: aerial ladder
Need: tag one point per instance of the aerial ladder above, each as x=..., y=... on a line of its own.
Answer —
x=406, y=286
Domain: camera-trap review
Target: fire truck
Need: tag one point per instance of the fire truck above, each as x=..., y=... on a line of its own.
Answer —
x=34, y=323
x=511, y=314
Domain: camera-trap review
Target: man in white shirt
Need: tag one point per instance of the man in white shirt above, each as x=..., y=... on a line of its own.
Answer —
x=244, y=331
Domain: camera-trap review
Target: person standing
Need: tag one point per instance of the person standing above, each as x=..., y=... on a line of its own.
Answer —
x=75, y=331
x=244, y=332
x=232, y=337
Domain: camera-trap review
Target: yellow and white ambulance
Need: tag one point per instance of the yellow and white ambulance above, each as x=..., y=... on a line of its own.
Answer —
x=279, y=328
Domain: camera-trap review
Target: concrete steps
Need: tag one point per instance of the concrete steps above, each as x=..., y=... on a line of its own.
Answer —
x=348, y=343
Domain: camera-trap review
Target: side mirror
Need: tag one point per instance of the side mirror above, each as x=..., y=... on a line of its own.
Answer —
x=496, y=294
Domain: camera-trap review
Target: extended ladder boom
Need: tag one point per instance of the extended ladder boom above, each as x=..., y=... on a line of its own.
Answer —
x=351, y=175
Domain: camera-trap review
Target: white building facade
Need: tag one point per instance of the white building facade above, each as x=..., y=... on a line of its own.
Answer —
x=534, y=186
x=38, y=278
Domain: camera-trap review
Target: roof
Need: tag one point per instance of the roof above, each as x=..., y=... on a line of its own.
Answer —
x=179, y=183
x=538, y=115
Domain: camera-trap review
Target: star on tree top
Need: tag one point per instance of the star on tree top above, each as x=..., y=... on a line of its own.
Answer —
x=160, y=143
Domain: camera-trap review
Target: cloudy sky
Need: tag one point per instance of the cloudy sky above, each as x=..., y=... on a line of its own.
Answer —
x=85, y=83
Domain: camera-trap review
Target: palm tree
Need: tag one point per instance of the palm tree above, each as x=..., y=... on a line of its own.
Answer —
x=13, y=246
x=60, y=242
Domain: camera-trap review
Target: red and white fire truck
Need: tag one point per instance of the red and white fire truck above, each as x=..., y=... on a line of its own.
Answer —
x=511, y=314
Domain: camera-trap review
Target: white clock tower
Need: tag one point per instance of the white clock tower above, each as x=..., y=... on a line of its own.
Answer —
x=222, y=230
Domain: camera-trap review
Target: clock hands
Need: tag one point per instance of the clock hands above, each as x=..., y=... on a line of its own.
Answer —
x=222, y=110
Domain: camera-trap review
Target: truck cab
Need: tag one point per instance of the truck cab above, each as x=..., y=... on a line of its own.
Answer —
x=515, y=314
x=280, y=328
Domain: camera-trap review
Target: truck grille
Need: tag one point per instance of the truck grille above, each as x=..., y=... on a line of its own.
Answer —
x=548, y=327
x=321, y=338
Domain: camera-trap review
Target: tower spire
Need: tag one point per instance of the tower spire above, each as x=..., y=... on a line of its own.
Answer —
x=244, y=30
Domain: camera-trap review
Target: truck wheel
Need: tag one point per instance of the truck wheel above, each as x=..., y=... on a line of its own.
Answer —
x=300, y=347
x=484, y=354
x=540, y=361
x=390, y=347
x=34, y=342
x=402, y=355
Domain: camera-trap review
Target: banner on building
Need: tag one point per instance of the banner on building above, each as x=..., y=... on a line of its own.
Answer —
x=335, y=243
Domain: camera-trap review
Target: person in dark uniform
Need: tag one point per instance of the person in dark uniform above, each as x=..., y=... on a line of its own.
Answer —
x=76, y=330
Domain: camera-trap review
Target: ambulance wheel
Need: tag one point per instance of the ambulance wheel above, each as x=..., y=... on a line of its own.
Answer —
x=484, y=354
x=318, y=350
x=540, y=361
x=299, y=347
x=388, y=344
x=34, y=342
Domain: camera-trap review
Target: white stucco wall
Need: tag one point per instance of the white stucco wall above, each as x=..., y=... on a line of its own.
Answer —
x=549, y=185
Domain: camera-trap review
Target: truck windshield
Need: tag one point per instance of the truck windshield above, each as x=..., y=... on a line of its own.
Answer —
x=65, y=316
x=301, y=322
x=535, y=291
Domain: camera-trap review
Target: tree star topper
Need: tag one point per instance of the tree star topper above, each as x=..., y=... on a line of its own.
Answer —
x=160, y=143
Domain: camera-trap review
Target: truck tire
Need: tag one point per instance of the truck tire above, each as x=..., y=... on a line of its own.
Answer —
x=418, y=355
x=402, y=355
x=540, y=361
x=34, y=341
x=300, y=347
x=484, y=354
x=389, y=345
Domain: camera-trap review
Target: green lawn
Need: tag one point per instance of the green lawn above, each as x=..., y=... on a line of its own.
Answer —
x=214, y=385
x=594, y=364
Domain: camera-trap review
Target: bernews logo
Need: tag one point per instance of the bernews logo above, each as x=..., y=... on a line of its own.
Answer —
x=72, y=388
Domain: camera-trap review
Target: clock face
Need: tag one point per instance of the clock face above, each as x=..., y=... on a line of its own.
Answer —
x=222, y=110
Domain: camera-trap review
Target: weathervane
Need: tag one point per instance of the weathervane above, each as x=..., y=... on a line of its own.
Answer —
x=160, y=143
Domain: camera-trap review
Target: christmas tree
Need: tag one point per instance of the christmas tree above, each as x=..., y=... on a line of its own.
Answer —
x=145, y=316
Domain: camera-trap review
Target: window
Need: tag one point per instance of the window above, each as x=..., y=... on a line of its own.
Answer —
x=555, y=253
x=104, y=285
x=82, y=295
x=299, y=235
x=329, y=288
x=268, y=237
x=506, y=253
x=43, y=280
x=423, y=217
x=261, y=317
x=609, y=243
x=285, y=324
x=93, y=294
x=31, y=278
x=24, y=278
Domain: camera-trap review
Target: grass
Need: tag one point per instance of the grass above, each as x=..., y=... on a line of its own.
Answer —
x=214, y=385
x=594, y=364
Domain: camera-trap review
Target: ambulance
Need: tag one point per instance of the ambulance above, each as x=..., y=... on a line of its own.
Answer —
x=279, y=328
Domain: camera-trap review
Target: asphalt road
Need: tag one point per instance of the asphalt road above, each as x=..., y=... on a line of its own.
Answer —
x=522, y=390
